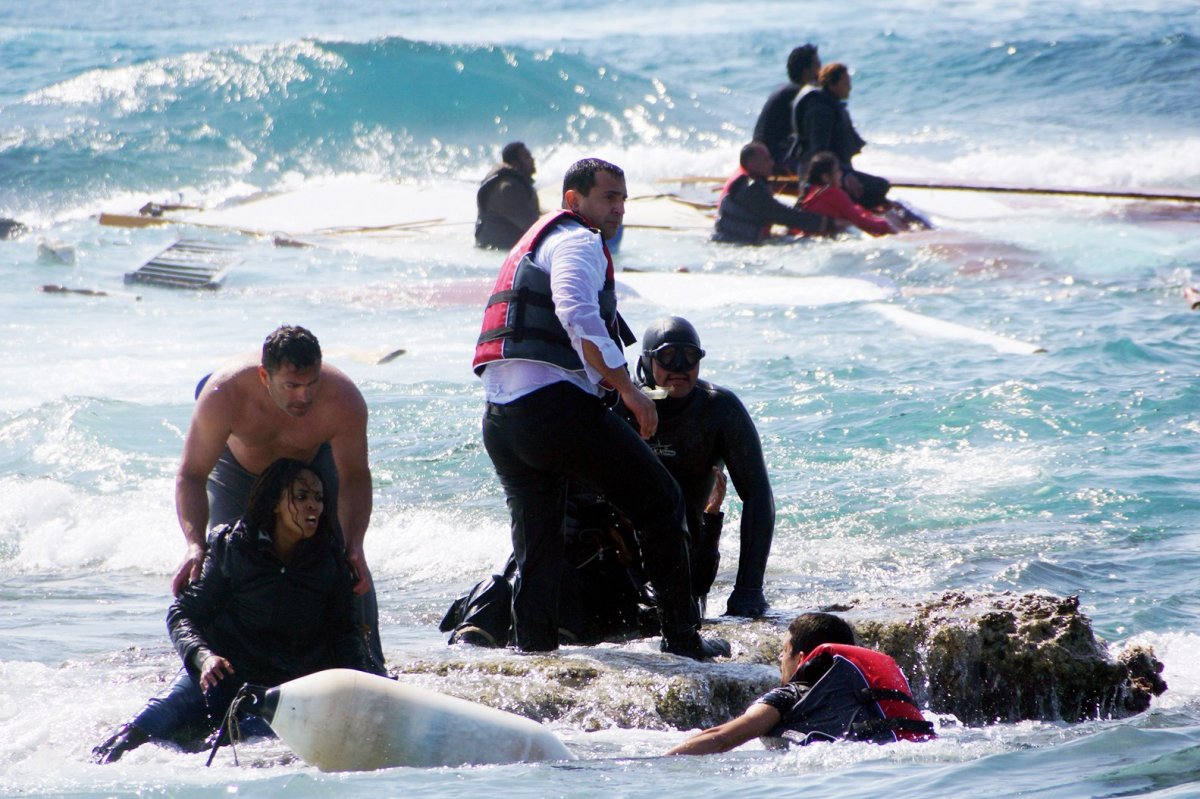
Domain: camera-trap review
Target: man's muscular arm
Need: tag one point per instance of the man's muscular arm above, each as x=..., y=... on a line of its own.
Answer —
x=349, y=446
x=212, y=424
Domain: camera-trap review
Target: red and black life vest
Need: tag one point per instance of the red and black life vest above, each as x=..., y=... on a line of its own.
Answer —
x=519, y=322
x=861, y=695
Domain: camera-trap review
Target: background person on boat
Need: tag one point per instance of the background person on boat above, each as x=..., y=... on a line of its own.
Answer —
x=747, y=207
x=824, y=124
x=249, y=414
x=273, y=603
x=776, y=126
x=551, y=346
x=507, y=201
x=821, y=192
x=815, y=703
x=702, y=429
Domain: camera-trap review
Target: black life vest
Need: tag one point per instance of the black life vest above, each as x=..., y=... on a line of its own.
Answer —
x=736, y=223
x=862, y=695
x=519, y=322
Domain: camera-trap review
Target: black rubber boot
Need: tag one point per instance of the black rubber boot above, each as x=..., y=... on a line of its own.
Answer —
x=696, y=646
x=126, y=738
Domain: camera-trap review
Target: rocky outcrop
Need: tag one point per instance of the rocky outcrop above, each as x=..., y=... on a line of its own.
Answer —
x=1005, y=658
x=980, y=658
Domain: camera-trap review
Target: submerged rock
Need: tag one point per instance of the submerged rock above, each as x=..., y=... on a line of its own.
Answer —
x=981, y=658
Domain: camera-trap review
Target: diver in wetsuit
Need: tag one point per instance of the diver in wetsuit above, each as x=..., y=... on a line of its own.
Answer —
x=703, y=429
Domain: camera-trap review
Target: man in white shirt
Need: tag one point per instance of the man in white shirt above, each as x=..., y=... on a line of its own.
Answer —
x=550, y=349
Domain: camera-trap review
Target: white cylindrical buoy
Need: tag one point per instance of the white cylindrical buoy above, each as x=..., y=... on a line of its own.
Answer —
x=345, y=720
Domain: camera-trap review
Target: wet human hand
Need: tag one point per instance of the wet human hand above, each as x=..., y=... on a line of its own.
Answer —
x=214, y=669
x=717, y=495
x=189, y=569
x=362, y=574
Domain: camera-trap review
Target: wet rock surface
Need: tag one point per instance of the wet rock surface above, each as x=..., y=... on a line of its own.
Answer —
x=982, y=658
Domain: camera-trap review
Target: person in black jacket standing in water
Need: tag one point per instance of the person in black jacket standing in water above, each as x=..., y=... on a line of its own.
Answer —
x=273, y=603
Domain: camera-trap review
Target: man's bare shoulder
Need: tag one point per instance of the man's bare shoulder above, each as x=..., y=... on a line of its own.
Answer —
x=344, y=396
x=230, y=382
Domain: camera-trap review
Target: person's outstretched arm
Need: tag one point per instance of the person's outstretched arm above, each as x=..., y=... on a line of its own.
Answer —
x=758, y=720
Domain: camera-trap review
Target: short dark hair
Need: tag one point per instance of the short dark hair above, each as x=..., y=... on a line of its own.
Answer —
x=748, y=152
x=511, y=150
x=819, y=166
x=832, y=73
x=292, y=345
x=270, y=487
x=800, y=59
x=582, y=175
x=809, y=630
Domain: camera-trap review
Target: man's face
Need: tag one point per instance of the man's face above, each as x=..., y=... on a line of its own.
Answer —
x=292, y=389
x=678, y=384
x=525, y=163
x=789, y=661
x=760, y=164
x=603, y=206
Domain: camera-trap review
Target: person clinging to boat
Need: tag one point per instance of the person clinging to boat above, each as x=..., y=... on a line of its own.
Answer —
x=821, y=192
x=227, y=626
x=830, y=689
x=550, y=348
x=251, y=412
x=747, y=208
x=703, y=429
x=507, y=201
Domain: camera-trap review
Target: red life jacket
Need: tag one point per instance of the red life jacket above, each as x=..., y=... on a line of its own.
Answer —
x=519, y=321
x=861, y=695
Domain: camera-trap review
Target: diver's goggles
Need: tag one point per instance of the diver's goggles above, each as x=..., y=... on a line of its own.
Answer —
x=676, y=357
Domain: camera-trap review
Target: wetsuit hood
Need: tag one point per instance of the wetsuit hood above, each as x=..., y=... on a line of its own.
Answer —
x=668, y=330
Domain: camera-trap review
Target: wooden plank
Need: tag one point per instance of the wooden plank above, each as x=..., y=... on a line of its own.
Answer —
x=187, y=264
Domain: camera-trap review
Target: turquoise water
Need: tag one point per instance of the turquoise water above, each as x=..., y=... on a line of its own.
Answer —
x=904, y=464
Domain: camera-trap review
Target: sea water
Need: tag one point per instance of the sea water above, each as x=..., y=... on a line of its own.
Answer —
x=904, y=464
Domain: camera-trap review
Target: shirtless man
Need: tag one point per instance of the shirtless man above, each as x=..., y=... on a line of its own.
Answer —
x=250, y=414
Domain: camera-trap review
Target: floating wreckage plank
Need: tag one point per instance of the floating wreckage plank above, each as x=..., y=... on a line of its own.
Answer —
x=188, y=264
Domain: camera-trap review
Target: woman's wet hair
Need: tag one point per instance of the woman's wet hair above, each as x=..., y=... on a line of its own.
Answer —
x=272, y=485
x=819, y=167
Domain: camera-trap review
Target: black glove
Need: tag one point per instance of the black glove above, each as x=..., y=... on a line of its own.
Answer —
x=748, y=602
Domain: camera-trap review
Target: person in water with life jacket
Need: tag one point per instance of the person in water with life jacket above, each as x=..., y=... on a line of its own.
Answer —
x=831, y=689
x=228, y=626
x=747, y=208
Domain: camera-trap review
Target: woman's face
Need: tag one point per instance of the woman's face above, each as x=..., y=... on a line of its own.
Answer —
x=299, y=509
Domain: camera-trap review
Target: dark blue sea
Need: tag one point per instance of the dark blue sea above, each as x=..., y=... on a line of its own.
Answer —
x=908, y=458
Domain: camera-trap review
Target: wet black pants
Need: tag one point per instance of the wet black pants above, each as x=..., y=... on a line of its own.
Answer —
x=559, y=433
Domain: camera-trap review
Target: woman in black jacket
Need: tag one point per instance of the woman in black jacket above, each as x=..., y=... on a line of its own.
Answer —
x=273, y=603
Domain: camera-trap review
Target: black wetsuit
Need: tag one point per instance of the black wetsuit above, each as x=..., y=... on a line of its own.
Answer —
x=711, y=428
